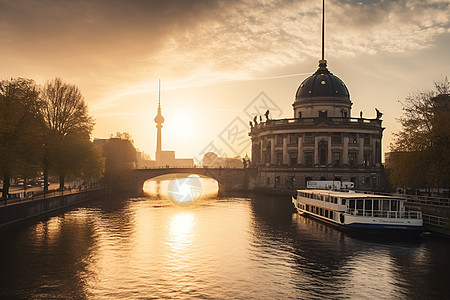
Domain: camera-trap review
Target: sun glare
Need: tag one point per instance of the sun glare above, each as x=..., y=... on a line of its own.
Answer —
x=182, y=125
x=185, y=191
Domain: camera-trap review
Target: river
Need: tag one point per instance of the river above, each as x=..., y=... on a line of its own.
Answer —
x=254, y=247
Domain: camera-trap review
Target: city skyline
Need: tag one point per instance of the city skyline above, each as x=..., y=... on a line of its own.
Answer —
x=215, y=59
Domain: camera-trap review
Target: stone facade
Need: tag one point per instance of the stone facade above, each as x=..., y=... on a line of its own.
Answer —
x=321, y=142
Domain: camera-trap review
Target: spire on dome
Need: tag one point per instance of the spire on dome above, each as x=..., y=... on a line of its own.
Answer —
x=323, y=62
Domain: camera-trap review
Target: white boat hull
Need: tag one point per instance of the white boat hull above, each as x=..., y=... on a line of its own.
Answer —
x=366, y=223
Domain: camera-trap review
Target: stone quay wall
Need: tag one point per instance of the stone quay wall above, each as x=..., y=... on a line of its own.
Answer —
x=19, y=211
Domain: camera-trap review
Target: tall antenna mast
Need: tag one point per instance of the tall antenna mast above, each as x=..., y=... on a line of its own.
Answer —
x=159, y=92
x=323, y=29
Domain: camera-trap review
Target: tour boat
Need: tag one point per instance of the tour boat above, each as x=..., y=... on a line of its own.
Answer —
x=369, y=213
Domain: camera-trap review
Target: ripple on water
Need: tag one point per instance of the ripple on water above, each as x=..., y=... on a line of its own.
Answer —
x=222, y=248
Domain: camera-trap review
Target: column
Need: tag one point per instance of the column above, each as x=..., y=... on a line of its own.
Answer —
x=261, y=146
x=345, y=153
x=316, y=150
x=361, y=151
x=300, y=151
x=329, y=151
x=374, y=153
x=272, y=151
x=285, y=152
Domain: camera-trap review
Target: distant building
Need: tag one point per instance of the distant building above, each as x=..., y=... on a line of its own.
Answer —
x=167, y=159
x=388, y=159
x=143, y=161
x=211, y=160
x=100, y=142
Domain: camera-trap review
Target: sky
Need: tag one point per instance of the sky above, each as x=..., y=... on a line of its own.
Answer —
x=222, y=62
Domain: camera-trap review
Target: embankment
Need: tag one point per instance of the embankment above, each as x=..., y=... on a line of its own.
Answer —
x=20, y=211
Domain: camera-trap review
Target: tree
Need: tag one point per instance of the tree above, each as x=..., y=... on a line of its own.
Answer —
x=421, y=148
x=76, y=156
x=93, y=164
x=120, y=157
x=20, y=142
x=66, y=120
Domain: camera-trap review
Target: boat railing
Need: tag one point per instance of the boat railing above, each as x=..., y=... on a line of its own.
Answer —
x=386, y=214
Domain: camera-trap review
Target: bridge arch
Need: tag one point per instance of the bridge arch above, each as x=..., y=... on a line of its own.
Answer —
x=228, y=179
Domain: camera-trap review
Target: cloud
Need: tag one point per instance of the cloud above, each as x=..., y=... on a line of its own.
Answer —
x=110, y=47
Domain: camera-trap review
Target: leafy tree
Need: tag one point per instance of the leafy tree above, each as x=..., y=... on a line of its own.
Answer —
x=120, y=157
x=67, y=122
x=123, y=136
x=20, y=142
x=421, y=154
x=93, y=164
x=76, y=156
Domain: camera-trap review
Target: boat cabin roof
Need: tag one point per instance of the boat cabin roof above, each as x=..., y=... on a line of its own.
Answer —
x=347, y=195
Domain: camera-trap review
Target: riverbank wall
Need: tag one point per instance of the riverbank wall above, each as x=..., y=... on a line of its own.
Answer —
x=24, y=210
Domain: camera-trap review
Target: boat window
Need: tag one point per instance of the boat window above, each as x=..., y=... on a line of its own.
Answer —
x=343, y=201
x=368, y=204
x=376, y=204
x=351, y=204
x=394, y=205
x=359, y=204
x=331, y=215
x=386, y=205
x=326, y=213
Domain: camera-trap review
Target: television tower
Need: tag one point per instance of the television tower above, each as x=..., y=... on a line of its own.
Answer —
x=159, y=120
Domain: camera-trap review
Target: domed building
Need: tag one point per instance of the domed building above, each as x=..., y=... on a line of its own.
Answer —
x=321, y=142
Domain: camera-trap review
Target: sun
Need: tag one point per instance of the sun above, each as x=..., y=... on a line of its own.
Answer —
x=185, y=191
x=182, y=125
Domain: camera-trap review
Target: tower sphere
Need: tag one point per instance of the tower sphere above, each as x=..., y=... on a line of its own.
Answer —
x=159, y=119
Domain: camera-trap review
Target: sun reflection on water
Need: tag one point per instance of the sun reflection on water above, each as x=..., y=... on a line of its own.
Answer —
x=180, y=231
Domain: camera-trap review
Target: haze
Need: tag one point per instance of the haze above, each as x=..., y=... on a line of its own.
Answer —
x=215, y=57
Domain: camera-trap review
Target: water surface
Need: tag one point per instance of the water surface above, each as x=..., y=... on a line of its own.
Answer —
x=221, y=248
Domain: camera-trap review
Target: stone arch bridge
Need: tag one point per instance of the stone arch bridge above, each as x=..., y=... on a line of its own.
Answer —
x=229, y=180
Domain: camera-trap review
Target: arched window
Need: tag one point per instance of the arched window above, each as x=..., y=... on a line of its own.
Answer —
x=323, y=153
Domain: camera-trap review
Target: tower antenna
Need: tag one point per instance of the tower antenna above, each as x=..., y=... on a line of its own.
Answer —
x=159, y=93
x=323, y=29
